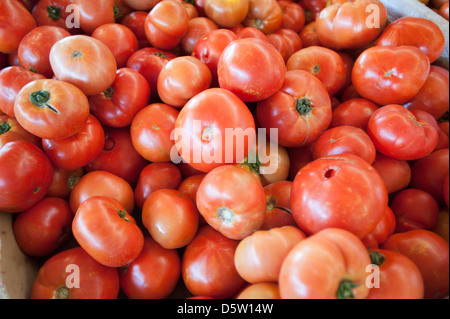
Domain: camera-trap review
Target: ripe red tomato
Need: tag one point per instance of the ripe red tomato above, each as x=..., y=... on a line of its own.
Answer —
x=92, y=226
x=63, y=182
x=265, y=15
x=53, y=13
x=144, y=5
x=300, y=110
x=299, y=157
x=312, y=8
x=76, y=60
x=251, y=32
x=309, y=36
x=11, y=130
x=259, y=291
x=353, y=112
x=227, y=14
x=207, y=267
x=93, y=14
x=395, y=173
x=334, y=254
x=95, y=280
x=352, y=195
x=43, y=228
x=444, y=10
x=286, y=41
x=135, y=21
x=198, y=28
x=390, y=75
x=25, y=176
x=423, y=116
x=223, y=201
x=384, y=229
x=154, y=274
x=293, y=15
x=278, y=206
x=398, y=134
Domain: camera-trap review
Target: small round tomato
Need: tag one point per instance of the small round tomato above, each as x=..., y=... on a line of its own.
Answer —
x=354, y=112
x=11, y=130
x=144, y=5
x=64, y=181
x=95, y=280
x=226, y=13
x=444, y=10
x=93, y=14
x=92, y=226
x=154, y=274
x=265, y=15
x=293, y=15
x=198, y=28
x=395, y=173
x=43, y=228
x=266, y=290
x=309, y=35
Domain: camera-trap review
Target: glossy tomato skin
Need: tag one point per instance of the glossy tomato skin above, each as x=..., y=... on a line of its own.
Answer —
x=16, y=21
x=223, y=201
x=309, y=36
x=93, y=231
x=141, y=5
x=312, y=8
x=198, y=28
x=390, y=75
x=259, y=291
x=154, y=274
x=79, y=149
x=226, y=14
x=135, y=21
x=396, y=133
x=430, y=253
x=207, y=266
x=117, y=106
x=395, y=173
x=11, y=130
x=384, y=229
x=25, y=175
x=92, y=15
x=278, y=205
x=354, y=112
x=293, y=15
x=96, y=281
x=52, y=13
x=43, y=228
x=265, y=15
x=352, y=195
x=424, y=116
x=64, y=181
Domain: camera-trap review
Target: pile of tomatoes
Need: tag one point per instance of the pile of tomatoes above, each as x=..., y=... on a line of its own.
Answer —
x=350, y=114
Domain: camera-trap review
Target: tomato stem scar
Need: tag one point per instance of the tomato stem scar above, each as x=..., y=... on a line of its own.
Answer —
x=40, y=99
x=4, y=127
x=62, y=292
x=345, y=289
x=303, y=105
x=54, y=12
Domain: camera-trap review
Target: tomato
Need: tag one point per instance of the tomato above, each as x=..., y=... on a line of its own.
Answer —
x=286, y=41
x=145, y=5
x=149, y=62
x=251, y=32
x=349, y=94
x=151, y=131
x=309, y=36
x=11, y=130
x=135, y=21
x=121, y=9
x=323, y=63
x=118, y=156
x=395, y=173
x=170, y=217
x=119, y=39
x=349, y=62
x=352, y=195
x=181, y=79
x=76, y=60
x=64, y=181
x=51, y=109
x=34, y=53
x=259, y=291
x=254, y=81
x=444, y=10
x=190, y=8
x=203, y=127
x=293, y=15
x=156, y=176
x=399, y=276
x=223, y=201
x=334, y=254
x=300, y=110
x=226, y=13
x=43, y=228
x=390, y=75
x=166, y=24
x=15, y=22
x=25, y=176
x=423, y=116
x=299, y=157
x=430, y=253
x=198, y=27
x=209, y=48
x=12, y=80
x=154, y=274
x=189, y=187
x=345, y=139
x=53, y=13
x=312, y=8
x=442, y=226
x=351, y=25
x=258, y=257
x=278, y=206
x=445, y=190
x=353, y=112
x=207, y=266
x=265, y=15
x=433, y=96
x=119, y=104
x=437, y=4
x=92, y=226
x=384, y=229
x=93, y=14
x=95, y=280
x=429, y=173
x=398, y=134
x=101, y=183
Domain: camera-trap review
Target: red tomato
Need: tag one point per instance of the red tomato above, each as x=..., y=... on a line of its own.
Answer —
x=354, y=112
x=309, y=35
x=278, y=211
x=76, y=59
x=207, y=267
x=300, y=110
x=390, y=75
x=299, y=157
x=135, y=21
x=334, y=254
x=345, y=139
x=170, y=217
x=119, y=104
x=64, y=181
x=398, y=134
x=444, y=10
x=222, y=199
x=259, y=291
x=11, y=130
x=154, y=274
x=423, y=116
x=25, y=176
x=144, y=5
x=293, y=15
x=252, y=69
x=53, y=13
x=286, y=41
x=352, y=195
x=225, y=13
x=189, y=187
x=312, y=8
x=395, y=173
x=265, y=15
x=258, y=257
x=94, y=14
x=430, y=253
x=251, y=32
x=92, y=229
x=445, y=190
x=384, y=229
x=43, y=228
x=95, y=280
x=78, y=150
x=351, y=25
x=198, y=28
x=15, y=22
